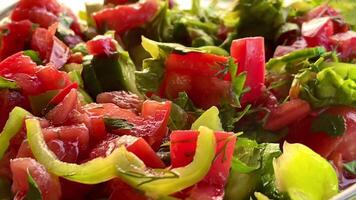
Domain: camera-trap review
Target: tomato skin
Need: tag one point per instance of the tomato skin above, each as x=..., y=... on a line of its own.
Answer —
x=321, y=142
x=183, y=145
x=197, y=75
x=126, y=16
x=345, y=44
x=47, y=183
x=62, y=94
x=152, y=126
x=17, y=36
x=135, y=145
x=102, y=45
x=123, y=99
x=17, y=63
x=159, y=112
x=51, y=78
x=249, y=54
x=51, y=49
x=287, y=113
x=59, y=114
x=195, y=63
x=317, y=31
x=43, y=12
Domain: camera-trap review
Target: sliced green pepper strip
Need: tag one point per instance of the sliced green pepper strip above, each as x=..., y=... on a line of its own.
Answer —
x=94, y=171
x=11, y=128
x=158, y=183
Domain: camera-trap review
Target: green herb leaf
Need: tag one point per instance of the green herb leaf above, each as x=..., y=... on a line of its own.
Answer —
x=34, y=55
x=351, y=167
x=237, y=81
x=114, y=124
x=34, y=192
x=8, y=84
x=248, y=156
x=333, y=125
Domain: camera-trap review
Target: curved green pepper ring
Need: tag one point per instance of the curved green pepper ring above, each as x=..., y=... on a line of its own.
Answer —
x=11, y=128
x=121, y=163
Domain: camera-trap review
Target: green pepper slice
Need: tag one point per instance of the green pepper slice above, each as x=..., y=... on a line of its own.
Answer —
x=11, y=128
x=94, y=171
x=121, y=163
x=158, y=183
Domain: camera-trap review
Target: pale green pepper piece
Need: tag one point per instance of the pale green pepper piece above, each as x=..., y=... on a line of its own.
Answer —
x=304, y=174
x=11, y=128
x=210, y=118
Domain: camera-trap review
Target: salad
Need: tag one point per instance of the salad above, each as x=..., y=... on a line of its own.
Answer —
x=137, y=100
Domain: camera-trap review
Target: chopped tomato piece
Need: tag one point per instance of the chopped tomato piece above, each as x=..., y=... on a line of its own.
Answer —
x=183, y=145
x=59, y=114
x=199, y=75
x=51, y=78
x=62, y=94
x=152, y=127
x=17, y=63
x=136, y=145
x=287, y=113
x=51, y=49
x=43, y=12
x=249, y=54
x=345, y=44
x=16, y=35
x=101, y=45
x=8, y=100
x=323, y=143
x=317, y=31
x=123, y=99
x=48, y=184
x=126, y=16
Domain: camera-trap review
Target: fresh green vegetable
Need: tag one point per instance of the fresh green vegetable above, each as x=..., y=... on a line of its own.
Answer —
x=333, y=125
x=8, y=84
x=34, y=193
x=163, y=182
x=34, y=55
x=102, y=73
x=39, y=102
x=252, y=170
x=283, y=63
x=334, y=84
x=351, y=167
x=210, y=118
x=304, y=174
x=112, y=124
x=12, y=127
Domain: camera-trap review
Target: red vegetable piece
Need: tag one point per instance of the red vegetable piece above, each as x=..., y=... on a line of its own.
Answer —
x=17, y=63
x=59, y=114
x=317, y=31
x=199, y=75
x=287, y=113
x=249, y=54
x=126, y=16
x=183, y=145
x=345, y=44
x=101, y=46
x=62, y=94
x=47, y=183
x=15, y=36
